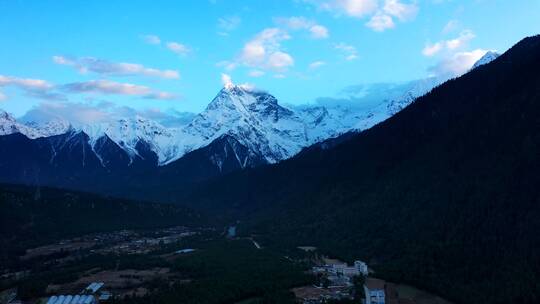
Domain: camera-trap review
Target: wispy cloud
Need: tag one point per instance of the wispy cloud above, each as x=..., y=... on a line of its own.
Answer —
x=316, y=64
x=316, y=30
x=381, y=13
x=108, y=87
x=462, y=40
x=100, y=111
x=347, y=50
x=431, y=49
x=104, y=67
x=178, y=48
x=151, y=39
x=25, y=83
x=451, y=26
x=228, y=24
x=36, y=88
x=256, y=73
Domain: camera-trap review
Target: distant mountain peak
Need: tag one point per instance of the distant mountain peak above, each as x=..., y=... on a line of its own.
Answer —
x=487, y=58
x=254, y=118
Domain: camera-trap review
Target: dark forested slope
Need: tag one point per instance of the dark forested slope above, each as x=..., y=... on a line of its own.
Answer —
x=31, y=216
x=444, y=195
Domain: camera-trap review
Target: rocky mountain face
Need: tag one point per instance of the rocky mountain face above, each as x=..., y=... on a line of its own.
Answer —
x=254, y=119
x=241, y=128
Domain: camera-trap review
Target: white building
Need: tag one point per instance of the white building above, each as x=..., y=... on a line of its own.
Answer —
x=361, y=267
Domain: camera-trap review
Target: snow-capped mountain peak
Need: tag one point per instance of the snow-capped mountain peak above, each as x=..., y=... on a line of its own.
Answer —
x=487, y=58
x=250, y=121
x=9, y=125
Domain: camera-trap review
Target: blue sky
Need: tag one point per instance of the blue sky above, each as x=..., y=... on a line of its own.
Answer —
x=158, y=57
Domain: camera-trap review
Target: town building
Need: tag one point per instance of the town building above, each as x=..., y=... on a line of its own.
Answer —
x=375, y=291
x=87, y=296
x=93, y=288
x=361, y=267
x=72, y=299
x=358, y=268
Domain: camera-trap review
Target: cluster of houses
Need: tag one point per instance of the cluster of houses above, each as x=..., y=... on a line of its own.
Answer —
x=338, y=278
x=336, y=282
x=92, y=294
x=340, y=274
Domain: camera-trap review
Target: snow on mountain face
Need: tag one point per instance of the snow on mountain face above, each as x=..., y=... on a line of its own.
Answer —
x=487, y=58
x=49, y=128
x=8, y=125
x=126, y=133
x=253, y=118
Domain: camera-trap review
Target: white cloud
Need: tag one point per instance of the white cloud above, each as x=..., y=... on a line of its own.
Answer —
x=464, y=37
x=256, y=73
x=178, y=48
x=280, y=61
x=317, y=31
x=402, y=11
x=227, y=65
x=451, y=26
x=353, y=8
x=449, y=45
x=432, y=49
x=226, y=81
x=348, y=51
x=108, y=87
x=42, y=89
x=453, y=59
x=264, y=51
x=295, y=23
x=380, y=22
x=2, y=96
x=228, y=24
x=37, y=88
x=380, y=12
x=457, y=64
x=25, y=83
x=151, y=39
x=100, y=111
x=316, y=64
x=104, y=67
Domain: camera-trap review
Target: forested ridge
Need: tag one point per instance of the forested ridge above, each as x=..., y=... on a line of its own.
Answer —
x=33, y=216
x=444, y=195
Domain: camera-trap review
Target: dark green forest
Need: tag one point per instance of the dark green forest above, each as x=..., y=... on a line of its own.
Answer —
x=230, y=272
x=444, y=195
x=34, y=216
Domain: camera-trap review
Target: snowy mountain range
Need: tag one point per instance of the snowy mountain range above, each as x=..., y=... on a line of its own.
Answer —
x=263, y=129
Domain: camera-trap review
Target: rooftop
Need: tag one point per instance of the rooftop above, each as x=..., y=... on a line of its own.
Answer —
x=375, y=284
